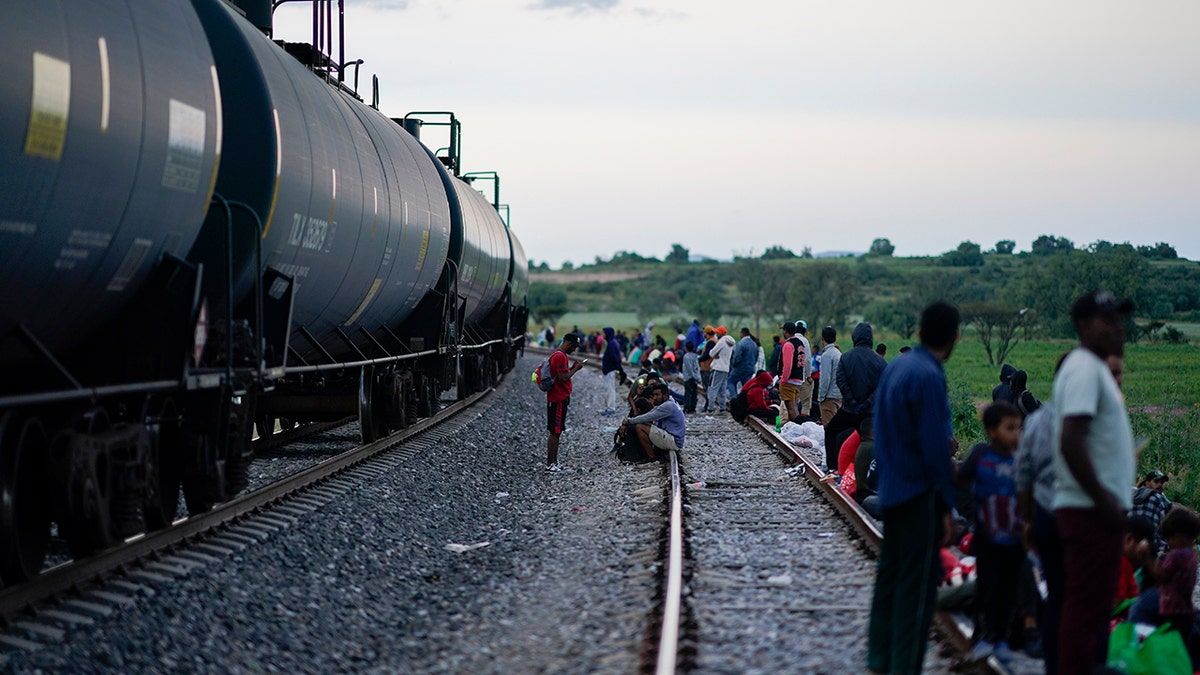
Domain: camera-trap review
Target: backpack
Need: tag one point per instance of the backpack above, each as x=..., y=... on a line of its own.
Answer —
x=628, y=449
x=543, y=377
x=739, y=407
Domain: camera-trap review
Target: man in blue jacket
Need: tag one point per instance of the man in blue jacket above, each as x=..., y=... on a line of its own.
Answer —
x=913, y=446
x=741, y=364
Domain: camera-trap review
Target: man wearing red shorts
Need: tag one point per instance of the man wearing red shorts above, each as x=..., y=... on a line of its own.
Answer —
x=559, y=396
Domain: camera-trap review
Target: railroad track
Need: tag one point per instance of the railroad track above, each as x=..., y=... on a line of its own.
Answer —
x=78, y=592
x=782, y=536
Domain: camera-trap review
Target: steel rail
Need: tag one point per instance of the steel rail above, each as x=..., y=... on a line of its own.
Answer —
x=70, y=576
x=668, y=644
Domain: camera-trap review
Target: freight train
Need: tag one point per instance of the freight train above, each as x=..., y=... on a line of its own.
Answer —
x=203, y=229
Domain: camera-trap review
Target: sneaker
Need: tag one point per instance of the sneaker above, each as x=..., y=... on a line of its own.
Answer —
x=553, y=468
x=831, y=477
x=1003, y=653
x=982, y=650
x=606, y=413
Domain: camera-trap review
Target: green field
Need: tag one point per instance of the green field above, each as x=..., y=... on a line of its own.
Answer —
x=1162, y=388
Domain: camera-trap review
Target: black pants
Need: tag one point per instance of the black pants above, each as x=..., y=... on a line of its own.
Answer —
x=842, y=421
x=999, y=568
x=689, y=396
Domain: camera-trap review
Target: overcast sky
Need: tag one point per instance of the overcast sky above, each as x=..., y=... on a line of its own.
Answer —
x=729, y=127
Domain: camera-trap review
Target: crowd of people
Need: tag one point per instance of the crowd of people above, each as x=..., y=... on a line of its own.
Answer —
x=1048, y=495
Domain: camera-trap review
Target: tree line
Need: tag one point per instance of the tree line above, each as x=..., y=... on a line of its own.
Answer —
x=1004, y=296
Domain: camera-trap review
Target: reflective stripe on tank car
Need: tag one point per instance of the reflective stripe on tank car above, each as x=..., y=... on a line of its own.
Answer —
x=278, y=173
x=129, y=266
x=105, y=85
x=362, y=306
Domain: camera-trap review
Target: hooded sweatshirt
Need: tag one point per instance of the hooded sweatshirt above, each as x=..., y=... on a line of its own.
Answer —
x=612, y=352
x=1003, y=391
x=756, y=391
x=858, y=372
x=722, y=352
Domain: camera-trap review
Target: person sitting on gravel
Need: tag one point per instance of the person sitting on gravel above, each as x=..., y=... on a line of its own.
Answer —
x=627, y=445
x=641, y=387
x=755, y=399
x=662, y=428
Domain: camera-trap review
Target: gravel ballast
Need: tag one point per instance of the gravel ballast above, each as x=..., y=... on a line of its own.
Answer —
x=549, y=572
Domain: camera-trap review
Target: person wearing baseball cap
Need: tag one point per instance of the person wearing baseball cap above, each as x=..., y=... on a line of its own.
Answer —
x=1150, y=503
x=558, y=399
x=1158, y=478
x=1093, y=472
x=793, y=362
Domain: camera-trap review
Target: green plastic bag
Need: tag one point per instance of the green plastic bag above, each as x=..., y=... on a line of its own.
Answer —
x=1137, y=650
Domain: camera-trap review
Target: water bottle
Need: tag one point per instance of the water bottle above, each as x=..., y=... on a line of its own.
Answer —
x=778, y=422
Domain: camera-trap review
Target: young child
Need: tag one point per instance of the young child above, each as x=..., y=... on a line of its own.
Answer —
x=990, y=471
x=1136, y=580
x=1176, y=573
x=691, y=377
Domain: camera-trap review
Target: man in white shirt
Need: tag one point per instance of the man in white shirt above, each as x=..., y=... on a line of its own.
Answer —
x=1094, y=468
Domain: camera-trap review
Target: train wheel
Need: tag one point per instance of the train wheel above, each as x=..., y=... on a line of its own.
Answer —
x=397, y=401
x=24, y=513
x=370, y=418
x=238, y=453
x=424, y=395
x=89, y=526
x=264, y=424
x=166, y=466
x=197, y=494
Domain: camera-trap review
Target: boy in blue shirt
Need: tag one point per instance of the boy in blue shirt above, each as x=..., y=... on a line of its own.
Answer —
x=990, y=471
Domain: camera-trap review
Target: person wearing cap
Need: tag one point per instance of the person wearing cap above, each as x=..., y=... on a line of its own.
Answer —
x=1094, y=466
x=722, y=353
x=559, y=396
x=1150, y=503
x=804, y=403
x=705, y=359
x=792, y=360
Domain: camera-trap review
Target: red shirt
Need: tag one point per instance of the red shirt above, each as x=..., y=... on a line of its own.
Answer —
x=1126, y=583
x=847, y=452
x=561, y=390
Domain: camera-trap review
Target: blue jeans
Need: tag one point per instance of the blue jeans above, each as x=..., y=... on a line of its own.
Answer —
x=721, y=398
x=738, y=377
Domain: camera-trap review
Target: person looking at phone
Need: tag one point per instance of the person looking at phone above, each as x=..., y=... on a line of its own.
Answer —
x=559, y=396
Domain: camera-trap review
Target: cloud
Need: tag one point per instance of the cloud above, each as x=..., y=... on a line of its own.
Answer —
x=576, y=5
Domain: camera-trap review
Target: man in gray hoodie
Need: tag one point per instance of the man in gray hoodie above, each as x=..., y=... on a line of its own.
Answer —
x=858, y=374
